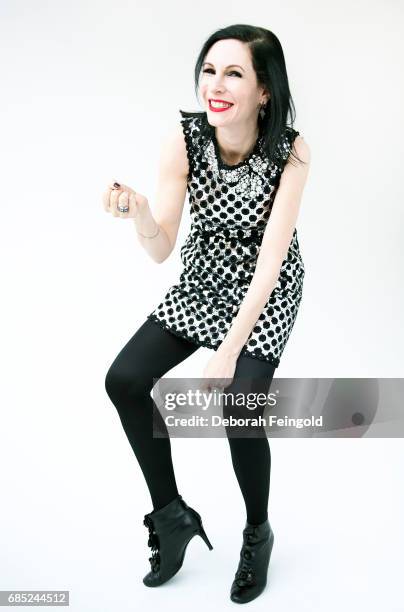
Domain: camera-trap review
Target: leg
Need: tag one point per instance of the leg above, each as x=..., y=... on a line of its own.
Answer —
x=151, y=352
x=251, y=456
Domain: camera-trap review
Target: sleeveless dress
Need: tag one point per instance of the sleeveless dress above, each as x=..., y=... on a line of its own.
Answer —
x=230, y=206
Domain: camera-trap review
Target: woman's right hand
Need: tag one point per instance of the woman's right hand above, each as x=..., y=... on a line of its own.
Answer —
x=119, y=195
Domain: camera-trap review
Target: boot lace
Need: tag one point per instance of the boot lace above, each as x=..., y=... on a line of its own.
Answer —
x=153, y=543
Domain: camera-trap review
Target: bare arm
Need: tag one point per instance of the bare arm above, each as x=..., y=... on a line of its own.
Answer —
x=164, y=223
x=274, y=247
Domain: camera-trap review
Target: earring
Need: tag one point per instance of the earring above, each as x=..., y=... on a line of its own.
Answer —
x=262, y=111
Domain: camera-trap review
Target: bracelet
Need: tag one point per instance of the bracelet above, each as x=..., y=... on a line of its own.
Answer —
x=158, y=229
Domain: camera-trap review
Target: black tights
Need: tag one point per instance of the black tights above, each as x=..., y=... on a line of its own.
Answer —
x=150, y=353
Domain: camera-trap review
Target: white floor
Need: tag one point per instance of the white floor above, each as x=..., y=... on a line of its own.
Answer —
x=74, y=522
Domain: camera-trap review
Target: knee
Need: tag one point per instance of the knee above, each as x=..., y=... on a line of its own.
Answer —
x=120, y=383
x=113, y=382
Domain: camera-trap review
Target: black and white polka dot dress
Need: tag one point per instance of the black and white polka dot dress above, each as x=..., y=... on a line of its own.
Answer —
x=229, y=208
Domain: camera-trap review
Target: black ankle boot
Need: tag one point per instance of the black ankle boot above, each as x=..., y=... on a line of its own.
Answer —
x=251, y=575
x=170, y=530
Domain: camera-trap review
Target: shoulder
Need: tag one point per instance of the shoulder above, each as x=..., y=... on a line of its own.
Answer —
x=302, y=149
x=295, y=145
x=181, y=141
x=189, y=125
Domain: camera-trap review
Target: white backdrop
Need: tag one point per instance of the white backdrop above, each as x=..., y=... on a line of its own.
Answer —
x=89, y=89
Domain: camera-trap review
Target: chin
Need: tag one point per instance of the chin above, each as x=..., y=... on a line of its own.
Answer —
x=217, y=118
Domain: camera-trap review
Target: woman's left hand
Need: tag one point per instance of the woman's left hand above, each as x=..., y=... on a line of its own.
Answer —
x=219, y=370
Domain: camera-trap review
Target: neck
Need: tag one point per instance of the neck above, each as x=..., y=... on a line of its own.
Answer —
x=236, y=144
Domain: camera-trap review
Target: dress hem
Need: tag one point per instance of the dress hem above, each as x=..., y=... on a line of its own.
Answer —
x=206, y=344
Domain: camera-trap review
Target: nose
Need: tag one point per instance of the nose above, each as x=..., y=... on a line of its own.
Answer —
x=217, y=84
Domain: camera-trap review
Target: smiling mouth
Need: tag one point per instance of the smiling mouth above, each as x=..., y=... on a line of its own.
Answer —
x=216, y=105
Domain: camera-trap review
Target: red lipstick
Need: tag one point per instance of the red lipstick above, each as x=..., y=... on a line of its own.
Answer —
x=219, y=110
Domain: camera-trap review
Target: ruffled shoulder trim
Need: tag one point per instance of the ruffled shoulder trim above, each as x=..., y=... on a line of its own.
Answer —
x=191, y=127
x=286, y=143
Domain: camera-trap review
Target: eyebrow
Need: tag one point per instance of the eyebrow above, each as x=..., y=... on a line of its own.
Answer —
x=230, y=66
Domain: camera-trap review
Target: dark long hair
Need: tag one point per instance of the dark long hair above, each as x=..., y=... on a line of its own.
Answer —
x=269, y=64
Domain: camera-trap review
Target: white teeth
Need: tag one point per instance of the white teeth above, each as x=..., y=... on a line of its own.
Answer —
x=220, y=104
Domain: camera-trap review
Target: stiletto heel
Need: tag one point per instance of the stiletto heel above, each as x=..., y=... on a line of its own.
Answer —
x=205, y=537
x=201, y=530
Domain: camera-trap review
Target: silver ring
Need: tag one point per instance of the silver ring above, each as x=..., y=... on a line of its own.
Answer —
x=122, y=209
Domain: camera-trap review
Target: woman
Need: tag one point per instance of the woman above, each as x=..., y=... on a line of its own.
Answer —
x=240, y=287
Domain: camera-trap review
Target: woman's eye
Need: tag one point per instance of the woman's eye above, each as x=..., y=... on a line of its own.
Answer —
x=210, y=70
